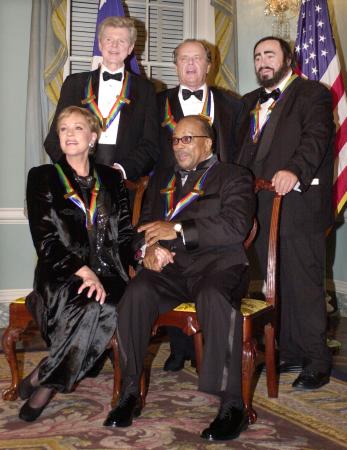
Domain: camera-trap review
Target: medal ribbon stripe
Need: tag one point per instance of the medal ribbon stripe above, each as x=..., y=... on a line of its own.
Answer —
x=255, y=113
x=169, y=120
x=187, y=199
x=72, y=195
x=122, y=99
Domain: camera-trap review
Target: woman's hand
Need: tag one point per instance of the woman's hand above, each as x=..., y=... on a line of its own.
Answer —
x=92, y=283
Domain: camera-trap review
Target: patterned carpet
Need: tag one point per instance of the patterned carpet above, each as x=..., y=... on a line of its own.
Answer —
x=174, y=416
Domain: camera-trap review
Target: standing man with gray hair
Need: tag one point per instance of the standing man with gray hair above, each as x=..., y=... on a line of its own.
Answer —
x=192, y=58
x=123, y=102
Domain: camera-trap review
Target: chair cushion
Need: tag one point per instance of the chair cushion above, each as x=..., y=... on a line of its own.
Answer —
x=186, y=307
x=249, y=306
x=20, y=300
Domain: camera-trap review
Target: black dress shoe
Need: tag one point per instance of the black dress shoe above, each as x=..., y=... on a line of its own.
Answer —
x=289, y=367
x=311, y=379
x=174, y=363
x=227, y=425
x=122, y=415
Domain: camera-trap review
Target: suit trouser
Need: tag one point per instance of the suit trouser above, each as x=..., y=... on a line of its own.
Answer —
x=217, y=297
x=302, y=298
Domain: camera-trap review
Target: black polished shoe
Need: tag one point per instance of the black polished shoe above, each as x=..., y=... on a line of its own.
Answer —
x=289, y=367
x=122, y=415
x=311, y=379
x=227, y=425
x=174, y=363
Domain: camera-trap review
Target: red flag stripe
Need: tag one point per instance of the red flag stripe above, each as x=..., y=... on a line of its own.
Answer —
x=337, y=90
x=341, y=138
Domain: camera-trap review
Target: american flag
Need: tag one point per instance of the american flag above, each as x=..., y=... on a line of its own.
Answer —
x=110, y=8
x=317, y=60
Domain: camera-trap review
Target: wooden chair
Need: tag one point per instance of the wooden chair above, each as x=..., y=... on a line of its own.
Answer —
x=21, y=325
x=258, y=316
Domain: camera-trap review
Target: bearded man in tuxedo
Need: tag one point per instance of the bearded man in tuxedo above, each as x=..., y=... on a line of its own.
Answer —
x=124, y=103
x=193, y=61
x=194, y=250
x=288, y=131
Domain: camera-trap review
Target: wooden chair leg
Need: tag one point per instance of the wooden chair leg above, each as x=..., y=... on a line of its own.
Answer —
x=9, y=339
x=198, y=346
x=248, y=367
x=270, y=361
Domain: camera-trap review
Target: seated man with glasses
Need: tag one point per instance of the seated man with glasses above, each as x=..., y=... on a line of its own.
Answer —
x=195, y=218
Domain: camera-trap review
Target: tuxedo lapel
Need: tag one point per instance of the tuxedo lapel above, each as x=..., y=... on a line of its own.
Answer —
x=220, y=112
x=271, y=125
x=95, y=83
x=175, y=105
x=127, y=109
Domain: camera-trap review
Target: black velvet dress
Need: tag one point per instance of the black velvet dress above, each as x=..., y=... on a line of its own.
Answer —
x=75, y=328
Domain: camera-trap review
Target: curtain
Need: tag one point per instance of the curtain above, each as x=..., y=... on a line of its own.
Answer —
x=226, y=43
x=47, y=56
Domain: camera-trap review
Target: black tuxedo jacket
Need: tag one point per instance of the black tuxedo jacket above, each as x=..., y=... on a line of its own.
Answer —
x=214, y=225
x=298, y=137
x=136, y=148
x=227, y=116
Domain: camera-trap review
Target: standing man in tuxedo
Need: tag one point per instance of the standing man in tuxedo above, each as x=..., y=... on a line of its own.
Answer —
x=124, y=103
x=192, y=96
x=195, y=218
x=288, y=134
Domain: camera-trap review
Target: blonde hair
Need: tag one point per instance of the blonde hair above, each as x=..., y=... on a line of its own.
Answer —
x=92, y=121
x=119, y=22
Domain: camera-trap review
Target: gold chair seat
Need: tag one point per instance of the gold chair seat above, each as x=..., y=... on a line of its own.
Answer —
x=20, y=300
x=249, y=306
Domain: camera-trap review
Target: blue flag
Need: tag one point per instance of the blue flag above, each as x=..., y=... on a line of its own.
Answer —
x=110, y=8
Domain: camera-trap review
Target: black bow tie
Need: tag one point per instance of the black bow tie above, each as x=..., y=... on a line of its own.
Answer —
x=112, y=76
x=186, y=93
x=183, y=173
x=265, y=96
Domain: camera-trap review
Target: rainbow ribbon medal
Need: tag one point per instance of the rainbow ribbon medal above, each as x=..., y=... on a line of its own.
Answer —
x=170, y=211
x=122, y=99
x=169, y=120
x=72, y=195
x=255, y=113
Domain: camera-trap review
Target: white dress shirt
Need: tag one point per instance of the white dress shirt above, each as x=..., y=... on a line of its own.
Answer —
x=108, y=93
x=193, y=106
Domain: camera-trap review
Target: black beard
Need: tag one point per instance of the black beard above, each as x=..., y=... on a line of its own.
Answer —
x=277, y=77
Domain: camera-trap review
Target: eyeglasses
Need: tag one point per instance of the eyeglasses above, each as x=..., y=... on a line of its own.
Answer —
x=185, y=139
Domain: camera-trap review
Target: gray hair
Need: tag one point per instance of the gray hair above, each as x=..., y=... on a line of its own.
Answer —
x=119, y=22
x=193, y=41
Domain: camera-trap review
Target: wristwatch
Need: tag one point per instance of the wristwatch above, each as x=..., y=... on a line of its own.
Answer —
x=178, y=228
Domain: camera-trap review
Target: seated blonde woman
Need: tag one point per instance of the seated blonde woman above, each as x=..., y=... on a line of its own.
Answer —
x=80, y=225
